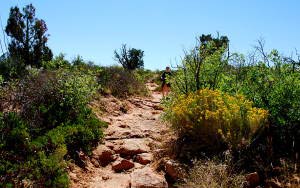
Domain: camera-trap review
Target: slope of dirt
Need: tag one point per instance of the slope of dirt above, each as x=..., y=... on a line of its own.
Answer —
x=134, y=135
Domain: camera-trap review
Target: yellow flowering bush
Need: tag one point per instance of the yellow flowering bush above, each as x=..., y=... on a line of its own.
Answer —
x=214, y=119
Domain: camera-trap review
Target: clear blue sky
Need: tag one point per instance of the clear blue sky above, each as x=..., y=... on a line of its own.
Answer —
x=162, y=28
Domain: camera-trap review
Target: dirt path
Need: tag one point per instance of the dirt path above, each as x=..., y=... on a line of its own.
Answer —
x=126, y=158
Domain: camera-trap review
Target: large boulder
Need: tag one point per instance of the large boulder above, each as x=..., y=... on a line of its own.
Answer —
x=104, y=155
x=147, y=178
x=122, y=164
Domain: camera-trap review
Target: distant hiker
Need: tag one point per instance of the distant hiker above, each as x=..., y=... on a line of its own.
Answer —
x=166, y=86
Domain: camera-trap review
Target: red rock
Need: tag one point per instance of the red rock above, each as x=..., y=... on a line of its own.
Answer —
x=122, y=164
x=144, y=158
x=173, y=169
x=104, y=155
x=253, y=179
x=147, y=178
x=132, y=147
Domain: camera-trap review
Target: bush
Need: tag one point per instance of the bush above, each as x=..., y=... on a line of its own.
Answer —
x=121, y=83
x=214, y=175
x=210, y=120
x=11, y=68
x=51, y=122
x=1, y=80
x=58, y=62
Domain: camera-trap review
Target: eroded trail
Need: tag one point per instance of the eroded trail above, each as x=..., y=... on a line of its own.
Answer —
x=126, y=157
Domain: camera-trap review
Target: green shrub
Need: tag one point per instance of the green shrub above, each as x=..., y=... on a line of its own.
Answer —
x=1, y=80
x=52, y=122
x=277, y=90
x=57, y=63
x=11, y=68
x=121, y=83
x=269, y=80
x=209, y=119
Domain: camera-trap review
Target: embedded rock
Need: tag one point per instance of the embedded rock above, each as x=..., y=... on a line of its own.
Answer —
x=122, y=164
x=104, y=155
x=253, y=179
x=147, y=178
x=144, y=158
x=132, y=147
x=173, y=170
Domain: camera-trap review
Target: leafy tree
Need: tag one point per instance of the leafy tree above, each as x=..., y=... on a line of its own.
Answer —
x=130, y=58
x=201, y=67
x=28, y=36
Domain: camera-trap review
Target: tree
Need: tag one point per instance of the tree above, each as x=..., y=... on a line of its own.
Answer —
x=130, y=58
x=28, y=36
x=202, y=65
x=78, y=61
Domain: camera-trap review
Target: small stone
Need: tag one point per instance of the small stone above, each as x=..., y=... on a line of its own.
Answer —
x=123, y=126
x=147, y=178
x=104, y=155
x=105, y=177
x=173, y=170
x=122, y=164
x=253, y=179
x=144, y=158
x=95, y=162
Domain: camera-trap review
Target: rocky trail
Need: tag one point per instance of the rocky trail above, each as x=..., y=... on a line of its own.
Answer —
x=126, y=158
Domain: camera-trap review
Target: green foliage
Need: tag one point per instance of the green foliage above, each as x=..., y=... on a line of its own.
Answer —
x=28, y=36
x=11, y=68
x=130, y=58
x=1, y=80
x=57, y=63
x=146, y=75
x=276, y=89
x=78, y=61
x=210, y=120
x=201, y=67
x=51, y=123
x=121, y=83
x=269, y=81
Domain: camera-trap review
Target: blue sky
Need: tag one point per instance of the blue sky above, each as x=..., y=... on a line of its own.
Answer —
x=162, y=28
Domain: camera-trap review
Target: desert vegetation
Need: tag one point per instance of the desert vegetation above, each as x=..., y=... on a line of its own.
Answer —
x=245, y=107
x=230, y=114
